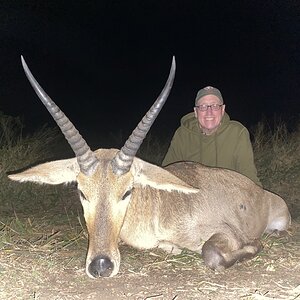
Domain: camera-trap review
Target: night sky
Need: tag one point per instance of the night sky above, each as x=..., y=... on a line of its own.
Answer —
x=105, y=62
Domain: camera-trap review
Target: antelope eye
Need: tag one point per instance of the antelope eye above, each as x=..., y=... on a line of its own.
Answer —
x=126, y=194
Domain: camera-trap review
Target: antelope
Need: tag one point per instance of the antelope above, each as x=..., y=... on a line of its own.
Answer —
x=215, y=212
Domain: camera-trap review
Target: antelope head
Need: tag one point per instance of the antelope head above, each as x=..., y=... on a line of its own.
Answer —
x=105, y=179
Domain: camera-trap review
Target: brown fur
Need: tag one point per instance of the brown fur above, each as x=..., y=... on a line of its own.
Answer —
x=216, y=212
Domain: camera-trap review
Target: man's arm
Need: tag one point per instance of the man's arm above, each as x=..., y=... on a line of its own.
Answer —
x=245, y=158
x=174, y=151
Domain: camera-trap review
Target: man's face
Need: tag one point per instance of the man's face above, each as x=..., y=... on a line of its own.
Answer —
x=210, y=118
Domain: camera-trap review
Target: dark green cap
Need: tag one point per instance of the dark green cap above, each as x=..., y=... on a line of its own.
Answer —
x=209, y=90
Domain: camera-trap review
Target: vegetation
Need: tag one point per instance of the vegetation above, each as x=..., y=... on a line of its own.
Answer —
x=43, y=237
x=276, y=152
x=277, y=157
x=17, y=151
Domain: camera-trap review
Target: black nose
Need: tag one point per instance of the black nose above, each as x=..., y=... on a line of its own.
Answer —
x=101, y=266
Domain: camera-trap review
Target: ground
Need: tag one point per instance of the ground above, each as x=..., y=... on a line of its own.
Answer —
x=43, y=258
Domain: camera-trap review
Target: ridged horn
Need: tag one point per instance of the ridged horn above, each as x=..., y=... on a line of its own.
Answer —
x=122, y=162
x=86, y=158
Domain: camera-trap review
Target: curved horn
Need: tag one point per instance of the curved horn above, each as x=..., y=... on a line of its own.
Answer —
x=122, y=162
x=86, y=158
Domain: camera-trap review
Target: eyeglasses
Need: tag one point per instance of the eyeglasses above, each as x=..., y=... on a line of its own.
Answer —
x=204, y=107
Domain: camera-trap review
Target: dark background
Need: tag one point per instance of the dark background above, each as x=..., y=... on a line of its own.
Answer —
x=105, y=62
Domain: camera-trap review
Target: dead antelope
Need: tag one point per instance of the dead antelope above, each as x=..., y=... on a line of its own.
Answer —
x=216, y=212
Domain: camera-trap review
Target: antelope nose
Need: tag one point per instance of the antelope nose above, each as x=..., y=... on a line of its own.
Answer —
x=101, y=266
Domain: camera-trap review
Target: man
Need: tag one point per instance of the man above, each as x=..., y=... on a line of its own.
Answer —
x=208, y=136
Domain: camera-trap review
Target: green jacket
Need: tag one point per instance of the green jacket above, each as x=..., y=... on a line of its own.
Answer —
x=229, y=147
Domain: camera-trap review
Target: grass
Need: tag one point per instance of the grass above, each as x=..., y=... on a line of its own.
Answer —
x=42, y=228
x=17, y=151
x=35, y=234
x=276, y=152
x=277, y=157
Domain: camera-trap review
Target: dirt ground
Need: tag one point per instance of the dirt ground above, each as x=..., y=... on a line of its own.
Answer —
x=44, y=266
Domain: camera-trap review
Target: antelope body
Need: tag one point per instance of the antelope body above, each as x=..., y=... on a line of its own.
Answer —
x=216, y=212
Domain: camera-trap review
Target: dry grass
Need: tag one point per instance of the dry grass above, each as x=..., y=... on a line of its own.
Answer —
x=277, y=157
x=33, y=248
x=40, y=259
x=43, y=239
x=34, y=235
x=18, y=151
x=277, y=153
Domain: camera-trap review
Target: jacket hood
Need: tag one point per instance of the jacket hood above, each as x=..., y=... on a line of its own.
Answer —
x=190, y=123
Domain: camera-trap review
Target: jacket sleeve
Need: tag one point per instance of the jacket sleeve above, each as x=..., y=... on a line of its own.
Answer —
x=245, y=158
x=174, y=152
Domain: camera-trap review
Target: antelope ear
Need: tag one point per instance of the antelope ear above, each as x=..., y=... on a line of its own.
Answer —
x=54, y=172
x=159, y=178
